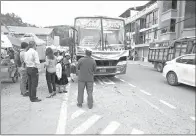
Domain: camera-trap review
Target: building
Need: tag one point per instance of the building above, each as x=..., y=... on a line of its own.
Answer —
x=176, y=19
x=46, y=34
x=141, y=27
x=4, y=30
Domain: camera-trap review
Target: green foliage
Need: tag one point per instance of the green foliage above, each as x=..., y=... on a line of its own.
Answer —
x=11, y=19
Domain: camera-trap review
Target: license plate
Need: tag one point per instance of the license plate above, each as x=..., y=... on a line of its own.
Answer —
x=102, y=70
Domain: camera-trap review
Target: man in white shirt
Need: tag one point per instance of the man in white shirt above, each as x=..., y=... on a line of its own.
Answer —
x=32, y=63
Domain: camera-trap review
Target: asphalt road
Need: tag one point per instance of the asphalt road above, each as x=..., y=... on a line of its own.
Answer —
x=140, y=102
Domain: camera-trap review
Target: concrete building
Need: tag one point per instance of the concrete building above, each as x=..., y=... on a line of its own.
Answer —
x=46, y=34
x=141, y=27
x=176, y=19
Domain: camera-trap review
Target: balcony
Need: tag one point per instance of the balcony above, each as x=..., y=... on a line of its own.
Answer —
x=168, y=36
x=189, y=32
x=142, y=13
x=172, y=13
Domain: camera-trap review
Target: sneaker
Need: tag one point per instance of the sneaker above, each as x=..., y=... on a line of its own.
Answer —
x=26, y=94
x=54, y=94
x=50, y=96
x=79, y=105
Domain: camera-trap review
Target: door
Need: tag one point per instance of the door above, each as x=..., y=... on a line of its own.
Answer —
x=185, y=67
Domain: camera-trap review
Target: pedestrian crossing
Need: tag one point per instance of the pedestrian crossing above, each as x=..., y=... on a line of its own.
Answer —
x=92, y=120
x=104, y=80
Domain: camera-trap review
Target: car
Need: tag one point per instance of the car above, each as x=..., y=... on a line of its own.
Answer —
x=181, y=70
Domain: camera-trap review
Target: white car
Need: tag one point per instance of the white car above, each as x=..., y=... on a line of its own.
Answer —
x=181, y=70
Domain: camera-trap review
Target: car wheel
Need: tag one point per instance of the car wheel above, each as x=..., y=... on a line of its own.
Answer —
x=172, y=78
x=160, y=67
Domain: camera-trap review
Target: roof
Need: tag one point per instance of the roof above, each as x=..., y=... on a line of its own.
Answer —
x=14, y=41
x=138, y=8
x=35, y=30
x=4, y=29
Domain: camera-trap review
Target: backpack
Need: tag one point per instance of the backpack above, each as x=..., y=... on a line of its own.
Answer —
x=17, y=59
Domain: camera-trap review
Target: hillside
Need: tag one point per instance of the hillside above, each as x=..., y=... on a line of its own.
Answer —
x=11, y=19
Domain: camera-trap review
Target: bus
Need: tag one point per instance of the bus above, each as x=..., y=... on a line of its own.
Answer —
x=106, y=38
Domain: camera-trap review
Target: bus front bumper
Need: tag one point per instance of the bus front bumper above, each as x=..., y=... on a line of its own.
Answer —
x=110, y=70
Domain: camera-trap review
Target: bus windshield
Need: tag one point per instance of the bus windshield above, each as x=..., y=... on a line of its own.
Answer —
x=113, y=33
x=90, y=34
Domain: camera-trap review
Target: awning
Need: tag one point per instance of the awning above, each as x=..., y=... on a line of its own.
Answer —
x=5, y=42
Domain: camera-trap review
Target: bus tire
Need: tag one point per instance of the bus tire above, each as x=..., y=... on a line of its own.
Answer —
x=160, y=67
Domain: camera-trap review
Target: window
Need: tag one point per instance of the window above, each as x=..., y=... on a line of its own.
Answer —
x=170, y=4
x=190, y=14
x=168, y=26
x=155, y=17
x=190, y=59
x=172, y=26
x=151, y=20
x=155, y=33
x=147, y=21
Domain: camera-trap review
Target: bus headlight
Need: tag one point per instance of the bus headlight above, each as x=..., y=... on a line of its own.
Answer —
x=121, y=63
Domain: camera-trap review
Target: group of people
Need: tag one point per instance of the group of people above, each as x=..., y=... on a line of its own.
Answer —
x=58, y=69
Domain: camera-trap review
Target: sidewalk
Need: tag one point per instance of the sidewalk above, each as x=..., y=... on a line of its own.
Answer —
x=20, y=116
x=142, y=63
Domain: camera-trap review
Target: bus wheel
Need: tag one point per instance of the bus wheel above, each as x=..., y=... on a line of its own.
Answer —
x=160, y=67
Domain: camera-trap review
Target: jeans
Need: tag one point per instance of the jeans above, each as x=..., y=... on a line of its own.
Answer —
x=33, y=77
x=50, y=78
x=89, y=88
x=23, y=81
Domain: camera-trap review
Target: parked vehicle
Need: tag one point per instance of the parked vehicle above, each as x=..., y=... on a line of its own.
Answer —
x=163, y=51
x=181, y=70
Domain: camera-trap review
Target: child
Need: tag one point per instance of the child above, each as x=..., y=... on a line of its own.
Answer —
x=61, y=77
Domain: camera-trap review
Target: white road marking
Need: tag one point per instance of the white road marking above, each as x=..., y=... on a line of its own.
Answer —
x=145, y=92
x=169, y=105
x=136, y=131
x=152, y=105
x=63, y=114
x=99, y=81
x=131, y=85
x=77, y=113
x=86, y=125
x=122, y=80
x=111, y=128
x=110, y=82
x=193, y=118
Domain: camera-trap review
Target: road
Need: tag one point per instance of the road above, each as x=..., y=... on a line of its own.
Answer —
x=140, y=102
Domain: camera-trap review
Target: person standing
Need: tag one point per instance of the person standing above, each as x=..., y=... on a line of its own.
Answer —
x=87, y=68
x=61, y=76
x=32, y=64
x=23, y=70
x=50, y=72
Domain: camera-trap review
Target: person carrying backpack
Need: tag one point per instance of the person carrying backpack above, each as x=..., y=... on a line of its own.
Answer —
x=23, y=71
